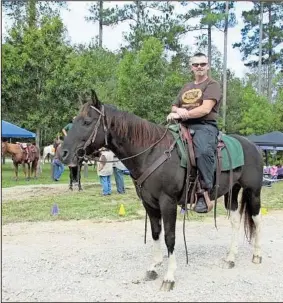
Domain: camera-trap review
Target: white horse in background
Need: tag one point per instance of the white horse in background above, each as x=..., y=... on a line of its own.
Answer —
x=48, y=151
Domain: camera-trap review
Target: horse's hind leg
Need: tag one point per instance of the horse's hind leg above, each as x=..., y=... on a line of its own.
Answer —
x=155, y=222
x=34, y=168
x=235, y=220
x=253, y=221
x=25, y=171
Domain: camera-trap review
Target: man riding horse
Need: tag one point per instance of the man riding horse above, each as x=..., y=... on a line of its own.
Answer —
x=197, y=105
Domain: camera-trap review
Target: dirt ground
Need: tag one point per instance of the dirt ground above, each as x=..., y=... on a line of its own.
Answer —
x=23, y=192
x=95, y=262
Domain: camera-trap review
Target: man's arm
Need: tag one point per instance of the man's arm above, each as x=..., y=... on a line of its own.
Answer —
x=101, y=164
x=64, y=132
x=200, y=111
x=174, y=109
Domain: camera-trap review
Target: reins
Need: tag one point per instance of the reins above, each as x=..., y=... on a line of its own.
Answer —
x=94, y=134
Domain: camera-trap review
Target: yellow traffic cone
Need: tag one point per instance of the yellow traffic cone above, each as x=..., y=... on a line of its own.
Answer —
x=122, y=211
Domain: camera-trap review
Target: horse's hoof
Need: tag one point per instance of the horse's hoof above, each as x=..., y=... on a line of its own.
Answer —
x=228, y=264
x=151, y=275
x=167, y=285
x=257, y=259
x=70, y=188
x=80, y=189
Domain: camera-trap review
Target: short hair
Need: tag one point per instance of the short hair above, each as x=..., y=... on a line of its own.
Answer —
x=199, y=54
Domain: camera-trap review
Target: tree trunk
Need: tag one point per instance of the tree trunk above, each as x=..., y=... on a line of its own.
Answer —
x=269, y=95
x=31, y=13
x=138, y=23
x=225, y=65
x=100, y=22
x=260, y=50
x=209, y=37
x=37, y=139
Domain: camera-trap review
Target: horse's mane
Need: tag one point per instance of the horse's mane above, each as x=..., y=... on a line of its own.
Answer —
x=139, y=131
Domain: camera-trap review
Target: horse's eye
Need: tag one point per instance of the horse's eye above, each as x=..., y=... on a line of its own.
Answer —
x=87, y=121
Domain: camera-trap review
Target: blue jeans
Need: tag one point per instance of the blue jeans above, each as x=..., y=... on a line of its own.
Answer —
x=58, y=169
x=106, y=184
x=119, y=179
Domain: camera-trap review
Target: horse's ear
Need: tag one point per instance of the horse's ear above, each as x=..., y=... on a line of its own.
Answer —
x=80, y=99
x=94, y=99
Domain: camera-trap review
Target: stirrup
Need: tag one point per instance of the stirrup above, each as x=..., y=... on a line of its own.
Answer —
x=204, y=194
x=207, y=201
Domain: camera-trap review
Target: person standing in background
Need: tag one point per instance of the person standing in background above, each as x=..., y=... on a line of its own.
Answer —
x=66, y=128
x=119, y=169
x=58, y=166
x=105, y=170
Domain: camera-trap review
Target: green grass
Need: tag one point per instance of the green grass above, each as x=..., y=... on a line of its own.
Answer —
x=89, y=204
x=44, y=177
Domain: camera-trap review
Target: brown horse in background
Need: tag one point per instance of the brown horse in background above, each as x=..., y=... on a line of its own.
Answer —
x=23, y=153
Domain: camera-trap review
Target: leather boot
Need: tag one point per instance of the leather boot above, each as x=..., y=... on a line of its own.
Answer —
x=201, y=206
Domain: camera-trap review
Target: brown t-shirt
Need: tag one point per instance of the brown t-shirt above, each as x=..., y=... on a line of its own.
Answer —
x=192, y=95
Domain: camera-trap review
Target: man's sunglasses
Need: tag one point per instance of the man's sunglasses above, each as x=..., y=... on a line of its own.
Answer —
x=199, y=64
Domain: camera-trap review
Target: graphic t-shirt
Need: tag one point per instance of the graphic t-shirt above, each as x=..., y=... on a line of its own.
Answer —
x=192, y=96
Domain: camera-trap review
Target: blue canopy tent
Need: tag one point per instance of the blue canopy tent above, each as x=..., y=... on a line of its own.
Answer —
x=10, y=130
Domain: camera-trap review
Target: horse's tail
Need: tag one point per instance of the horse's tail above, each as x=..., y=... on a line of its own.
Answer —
x=246, y=210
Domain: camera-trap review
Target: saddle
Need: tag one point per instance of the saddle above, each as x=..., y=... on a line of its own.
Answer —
x=193, y=184
x=183, y=136
x=28, y=151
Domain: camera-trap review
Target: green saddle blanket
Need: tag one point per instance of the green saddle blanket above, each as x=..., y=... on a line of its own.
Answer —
x=232, y=144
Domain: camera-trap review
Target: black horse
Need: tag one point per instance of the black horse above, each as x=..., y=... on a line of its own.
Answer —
x=75, y=176
x=127, y=135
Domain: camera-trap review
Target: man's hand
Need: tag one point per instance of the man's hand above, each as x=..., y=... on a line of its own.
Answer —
x=173, y=116
x=182, y=112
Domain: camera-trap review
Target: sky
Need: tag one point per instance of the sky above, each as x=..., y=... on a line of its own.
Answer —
x=81, y=31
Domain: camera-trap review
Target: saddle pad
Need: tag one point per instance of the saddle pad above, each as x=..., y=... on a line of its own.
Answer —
x=235, y=150
x=233, y=145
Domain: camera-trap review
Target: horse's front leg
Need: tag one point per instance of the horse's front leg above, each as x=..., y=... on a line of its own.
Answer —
x=155, y=222
x=16, y=166
x=71, y=178
x=79, y=177
x=169, y=215
x=29, y=168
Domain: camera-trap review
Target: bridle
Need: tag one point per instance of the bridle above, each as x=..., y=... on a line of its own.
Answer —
x=93, y=135
x=81, y=152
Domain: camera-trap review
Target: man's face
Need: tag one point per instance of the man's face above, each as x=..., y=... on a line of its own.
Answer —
x=200, y=66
